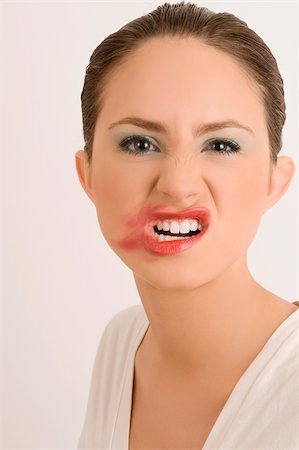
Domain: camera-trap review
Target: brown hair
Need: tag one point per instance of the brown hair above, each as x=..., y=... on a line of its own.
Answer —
x=221, y=30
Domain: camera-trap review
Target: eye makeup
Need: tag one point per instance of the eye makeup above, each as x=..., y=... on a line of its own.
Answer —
x=223, y=146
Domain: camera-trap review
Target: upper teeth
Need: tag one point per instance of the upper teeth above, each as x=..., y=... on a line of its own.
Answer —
x=175, y=226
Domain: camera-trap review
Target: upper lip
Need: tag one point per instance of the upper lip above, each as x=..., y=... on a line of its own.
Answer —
x=200, y=213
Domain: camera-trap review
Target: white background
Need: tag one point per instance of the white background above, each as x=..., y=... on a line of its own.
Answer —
x=61, y=281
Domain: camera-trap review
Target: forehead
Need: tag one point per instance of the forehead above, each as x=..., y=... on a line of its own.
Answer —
x=180, y=81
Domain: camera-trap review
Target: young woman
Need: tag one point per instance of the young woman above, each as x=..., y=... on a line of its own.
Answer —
x=183, y=111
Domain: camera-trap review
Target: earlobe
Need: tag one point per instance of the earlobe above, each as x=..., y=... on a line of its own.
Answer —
x=84, y=172
x=281, y=176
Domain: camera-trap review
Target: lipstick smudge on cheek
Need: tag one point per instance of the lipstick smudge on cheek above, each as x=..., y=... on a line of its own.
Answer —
x=135, y=224
x=131, y=242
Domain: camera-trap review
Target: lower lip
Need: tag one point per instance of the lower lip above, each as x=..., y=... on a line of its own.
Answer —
x=170, y=247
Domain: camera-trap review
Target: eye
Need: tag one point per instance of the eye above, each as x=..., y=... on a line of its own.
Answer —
x=140, y=145
x=223, y=146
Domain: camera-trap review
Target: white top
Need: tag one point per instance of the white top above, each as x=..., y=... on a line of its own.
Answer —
x=261, y=413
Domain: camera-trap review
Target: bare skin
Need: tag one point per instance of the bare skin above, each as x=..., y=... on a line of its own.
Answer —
x=208, y=317
x=179, y=411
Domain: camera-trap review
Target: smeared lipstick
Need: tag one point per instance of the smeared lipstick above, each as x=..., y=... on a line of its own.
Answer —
x=142, y=230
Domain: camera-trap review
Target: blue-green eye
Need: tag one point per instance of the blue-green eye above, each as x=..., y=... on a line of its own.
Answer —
x=220, y=145
x=142, y=145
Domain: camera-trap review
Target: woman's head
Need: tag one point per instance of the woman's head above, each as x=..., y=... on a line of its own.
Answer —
x=223, y=31
x=183, y=67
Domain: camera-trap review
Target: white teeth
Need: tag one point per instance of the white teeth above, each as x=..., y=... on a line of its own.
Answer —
x=184, y=227
x=161, y=237
x=193, y=225
x=166, y=226
x=174, y=227
x=159, y=225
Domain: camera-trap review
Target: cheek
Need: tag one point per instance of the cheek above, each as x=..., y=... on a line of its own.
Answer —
x=245, y=182
x=241, y=201
x=252, y=190
x=121, y=185
x=119, y=189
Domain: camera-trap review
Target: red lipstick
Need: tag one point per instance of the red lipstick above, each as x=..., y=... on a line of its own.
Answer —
x=142, y=233
x=175, y=246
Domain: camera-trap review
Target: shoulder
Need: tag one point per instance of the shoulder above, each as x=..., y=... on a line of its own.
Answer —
x=127, y=315
x=119, y=337
x=125, y=324
x=111, y=364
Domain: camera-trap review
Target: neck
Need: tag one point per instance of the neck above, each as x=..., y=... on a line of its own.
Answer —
x=207, y=327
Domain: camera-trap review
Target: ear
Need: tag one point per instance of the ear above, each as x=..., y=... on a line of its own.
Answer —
x=281, y=175
x=84, y=172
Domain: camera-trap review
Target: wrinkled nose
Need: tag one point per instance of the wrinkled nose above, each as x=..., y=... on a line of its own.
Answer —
x=180, y=180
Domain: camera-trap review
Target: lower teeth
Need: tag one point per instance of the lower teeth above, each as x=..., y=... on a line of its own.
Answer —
x=162, y=237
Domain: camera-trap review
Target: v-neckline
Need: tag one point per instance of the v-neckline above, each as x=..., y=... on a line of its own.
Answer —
x=232, y=400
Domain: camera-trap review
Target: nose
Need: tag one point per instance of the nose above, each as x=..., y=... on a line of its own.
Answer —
x=180, y=179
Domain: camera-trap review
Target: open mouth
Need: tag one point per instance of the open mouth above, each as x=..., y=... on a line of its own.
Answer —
x=171, y=230
x=160, y=231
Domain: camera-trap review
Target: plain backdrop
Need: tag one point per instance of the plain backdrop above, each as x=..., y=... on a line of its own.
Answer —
x=61, y=281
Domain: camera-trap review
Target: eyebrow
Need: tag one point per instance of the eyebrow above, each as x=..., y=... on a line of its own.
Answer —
x=161, y=128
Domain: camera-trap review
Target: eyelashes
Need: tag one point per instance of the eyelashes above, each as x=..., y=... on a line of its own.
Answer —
x=216, y=145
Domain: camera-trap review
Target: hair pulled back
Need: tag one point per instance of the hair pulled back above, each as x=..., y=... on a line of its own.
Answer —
x=223, y=31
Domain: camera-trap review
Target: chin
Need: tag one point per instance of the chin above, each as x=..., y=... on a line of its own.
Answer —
x=171, y=279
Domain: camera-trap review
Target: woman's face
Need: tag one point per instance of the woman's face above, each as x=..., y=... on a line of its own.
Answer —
x=183, y=84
